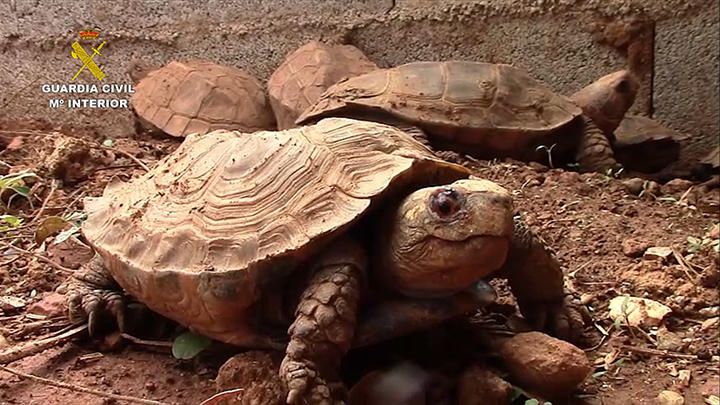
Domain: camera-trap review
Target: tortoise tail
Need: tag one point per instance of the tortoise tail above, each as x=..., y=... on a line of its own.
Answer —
x=594, y=153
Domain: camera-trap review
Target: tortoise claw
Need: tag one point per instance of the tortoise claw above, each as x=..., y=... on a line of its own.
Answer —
x=90, y=304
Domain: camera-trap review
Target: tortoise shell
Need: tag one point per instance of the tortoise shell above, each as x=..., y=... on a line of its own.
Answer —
x=203, y=234
x=644, y=145
x=307, y=72
x=200, y=96
x=496, y=106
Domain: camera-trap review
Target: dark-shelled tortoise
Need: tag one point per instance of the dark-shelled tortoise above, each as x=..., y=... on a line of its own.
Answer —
x=299, y=236
x=198, y=96
x=487, y=110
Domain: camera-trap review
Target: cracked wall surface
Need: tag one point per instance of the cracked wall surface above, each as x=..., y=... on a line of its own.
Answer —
x=673, y=46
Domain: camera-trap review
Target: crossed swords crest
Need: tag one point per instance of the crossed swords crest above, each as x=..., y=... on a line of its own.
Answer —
x=79, y=52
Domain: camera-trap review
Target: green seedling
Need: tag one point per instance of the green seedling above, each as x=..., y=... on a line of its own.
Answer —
x=15, y=184
x=549, y=153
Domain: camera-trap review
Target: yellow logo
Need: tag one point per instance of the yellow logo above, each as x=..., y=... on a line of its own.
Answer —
x=79, y=52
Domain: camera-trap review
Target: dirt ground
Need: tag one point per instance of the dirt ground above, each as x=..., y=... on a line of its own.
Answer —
x=598, y=228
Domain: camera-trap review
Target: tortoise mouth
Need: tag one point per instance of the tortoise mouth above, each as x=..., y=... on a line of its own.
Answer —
x=445, y=267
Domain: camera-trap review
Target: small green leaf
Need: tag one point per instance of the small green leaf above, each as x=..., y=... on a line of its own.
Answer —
x=108, y=143
x=532, y=401
x=188, y=345
x=11, y=220
x=22, y=190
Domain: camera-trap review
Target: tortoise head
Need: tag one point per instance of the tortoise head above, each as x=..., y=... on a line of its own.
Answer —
x=607, y=99
x=445, y=239
x=138, y=70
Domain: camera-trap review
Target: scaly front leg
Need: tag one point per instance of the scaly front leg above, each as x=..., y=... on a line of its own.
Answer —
x=536, y=280
x=92, y=290
x=324, y=326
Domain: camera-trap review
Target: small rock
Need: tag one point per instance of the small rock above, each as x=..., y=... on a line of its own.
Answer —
x=637, y=311
x=709, y=278
x=711, y=386
x=633, y=247
x=667, y=340
x=684, y=377
x=551, y=367
x=710, y=312
x=3, y=342
x=479, y=385
x=676, y=186
x=711, y=323
x=658, y=253
x=587, y=298
x=670, y=398
x=714, y=232
x=256, y=372
x=112, y=342
x=634, y=186
x=9, y=303
x=52, y=305
x=402, y=385
x=652, y=189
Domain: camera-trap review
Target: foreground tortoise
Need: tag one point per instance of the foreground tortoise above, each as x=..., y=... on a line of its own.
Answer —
x=319, y=228
x=487, y=110
x=307, y=72
x=198, y=96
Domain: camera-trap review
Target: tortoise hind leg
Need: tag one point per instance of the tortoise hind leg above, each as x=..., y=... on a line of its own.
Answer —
x=594, y=153
x=324, y=326
x=92, y=290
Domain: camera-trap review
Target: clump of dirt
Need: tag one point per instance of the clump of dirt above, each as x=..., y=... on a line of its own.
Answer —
x=599, y=227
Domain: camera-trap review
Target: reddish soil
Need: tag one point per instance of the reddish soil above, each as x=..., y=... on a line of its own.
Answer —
x=589, y=219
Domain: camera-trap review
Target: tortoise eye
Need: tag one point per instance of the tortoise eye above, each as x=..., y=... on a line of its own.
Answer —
x=445, y=202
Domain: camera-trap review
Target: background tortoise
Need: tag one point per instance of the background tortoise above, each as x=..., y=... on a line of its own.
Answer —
x=239, y=236
x=487, y=110
x=198, y=96
x=644, y=145
x=307, y=72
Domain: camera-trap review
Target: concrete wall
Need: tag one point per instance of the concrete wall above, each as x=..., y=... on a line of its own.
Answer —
x=673, y=45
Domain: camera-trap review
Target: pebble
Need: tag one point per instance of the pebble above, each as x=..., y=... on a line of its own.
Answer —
x=543, y=364
x=667, y=340
x=676, y=186
x=710, y=312
x=670, y=398
x=256, y=372
x=634, y=186
x=658, y=253
x=479, y=385
x=711, y=323
x=633, y=247
x=52, y=305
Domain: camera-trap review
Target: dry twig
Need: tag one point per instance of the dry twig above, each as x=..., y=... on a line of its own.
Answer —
x=18, y=352
x=654, y=352
x=157, y=343
x=215, y=399
x=53, y=187
x=78, y=388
